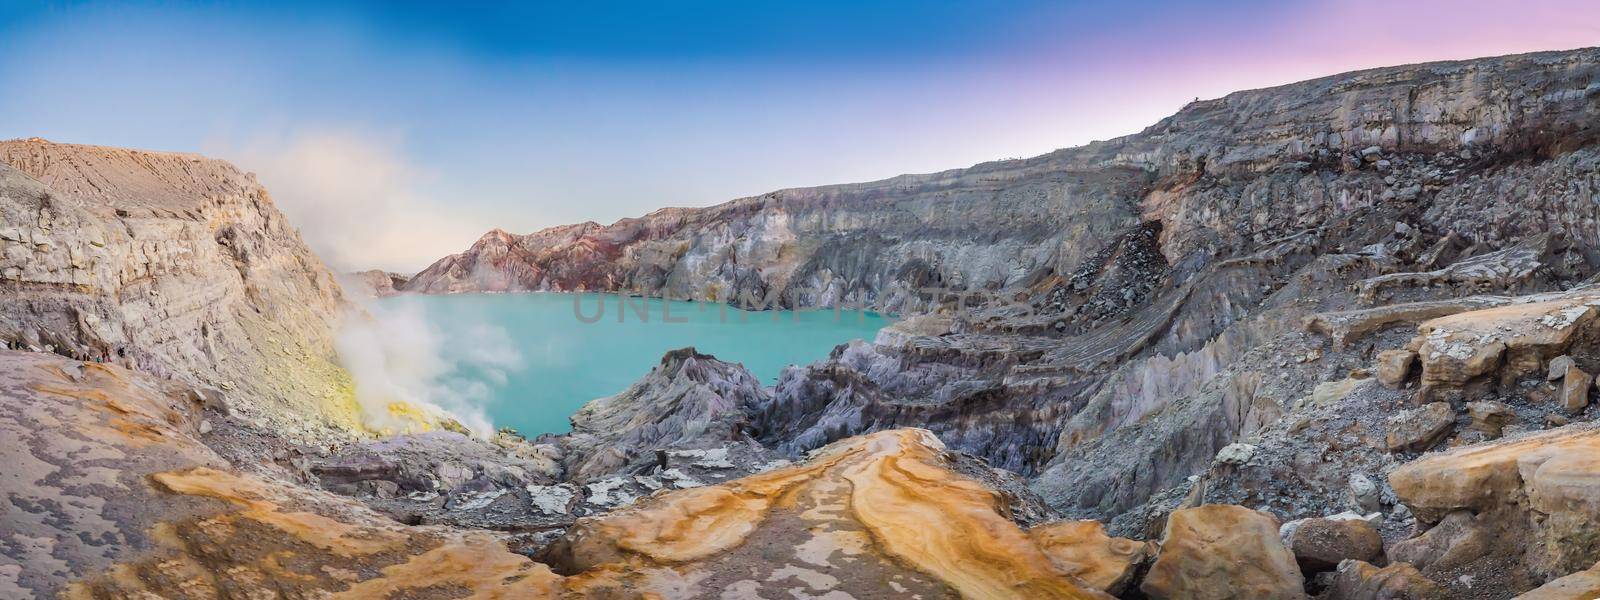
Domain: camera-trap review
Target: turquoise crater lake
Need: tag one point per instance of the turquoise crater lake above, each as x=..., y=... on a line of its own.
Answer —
x=552, y=356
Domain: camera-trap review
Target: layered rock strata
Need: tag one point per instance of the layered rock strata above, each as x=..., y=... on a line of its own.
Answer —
x=171, y=264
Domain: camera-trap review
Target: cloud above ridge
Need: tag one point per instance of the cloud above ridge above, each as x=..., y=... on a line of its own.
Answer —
x=356, y=199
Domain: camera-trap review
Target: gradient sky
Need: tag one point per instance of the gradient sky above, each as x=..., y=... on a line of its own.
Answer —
x=393, y=133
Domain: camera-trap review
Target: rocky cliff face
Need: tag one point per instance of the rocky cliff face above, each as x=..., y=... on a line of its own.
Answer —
x=1220, y=177
x=1268, y=299
x=1335, y=338
x=171, y=264
x=1144, y=265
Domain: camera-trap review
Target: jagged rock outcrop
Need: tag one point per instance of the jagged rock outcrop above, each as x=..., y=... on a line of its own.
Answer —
x=170, y=264
x=691, y=401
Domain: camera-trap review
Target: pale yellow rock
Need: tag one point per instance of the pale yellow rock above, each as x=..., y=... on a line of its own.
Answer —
x=1486, y=476
x=1583, y=585
x=1222, y=552
x=1543, y=488
x=1464, y=346
x=1394, y=366
x=1575, y=390
x=1083, y=549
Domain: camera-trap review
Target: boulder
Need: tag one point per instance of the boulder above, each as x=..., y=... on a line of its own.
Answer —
x=1418, y=429
x=1364, y=493
x=1394, y=366
x=1490, y=417
x=1575, y=390
x=1461, y=347
x=1222, y=551
x=1456, y=541
x=1321, y=544
x=1558, y=367
x=1497, y=489
x=1083, y=550
x=1583, y=585
x=1358, y=580
x=1235, y=454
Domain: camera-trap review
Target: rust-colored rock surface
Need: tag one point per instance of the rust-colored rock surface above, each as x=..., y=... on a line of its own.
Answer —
x=1083, y=549
x=876, y=515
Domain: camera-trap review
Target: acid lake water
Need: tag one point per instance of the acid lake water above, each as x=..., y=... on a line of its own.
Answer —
x=554, y=352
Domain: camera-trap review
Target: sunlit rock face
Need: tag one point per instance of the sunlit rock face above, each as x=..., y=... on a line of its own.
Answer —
x=1536, y=498
x=876, y=515
x=171, y=264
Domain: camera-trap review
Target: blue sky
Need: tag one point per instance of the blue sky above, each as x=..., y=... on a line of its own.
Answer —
x=394, y=133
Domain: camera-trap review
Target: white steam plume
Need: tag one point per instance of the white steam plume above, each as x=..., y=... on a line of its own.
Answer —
x=396, y=355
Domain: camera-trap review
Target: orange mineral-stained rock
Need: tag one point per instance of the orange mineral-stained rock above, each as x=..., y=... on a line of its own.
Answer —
x=1083, y=549
x=1543, y=489
x=875, y=515
x=1552, y=468
x=1223, y=552
x=879, y=515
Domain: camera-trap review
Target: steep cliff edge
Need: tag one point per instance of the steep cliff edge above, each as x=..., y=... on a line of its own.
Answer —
x=175, y=265
x=1103, y=284
x=1220, y=177
x=1274, y=306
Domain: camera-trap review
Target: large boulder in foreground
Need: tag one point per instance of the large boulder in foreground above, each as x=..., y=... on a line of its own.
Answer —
x=1222, y=551
x=1536, y=496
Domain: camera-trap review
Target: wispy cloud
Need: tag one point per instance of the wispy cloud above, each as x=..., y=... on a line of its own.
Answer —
x=356, y=198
